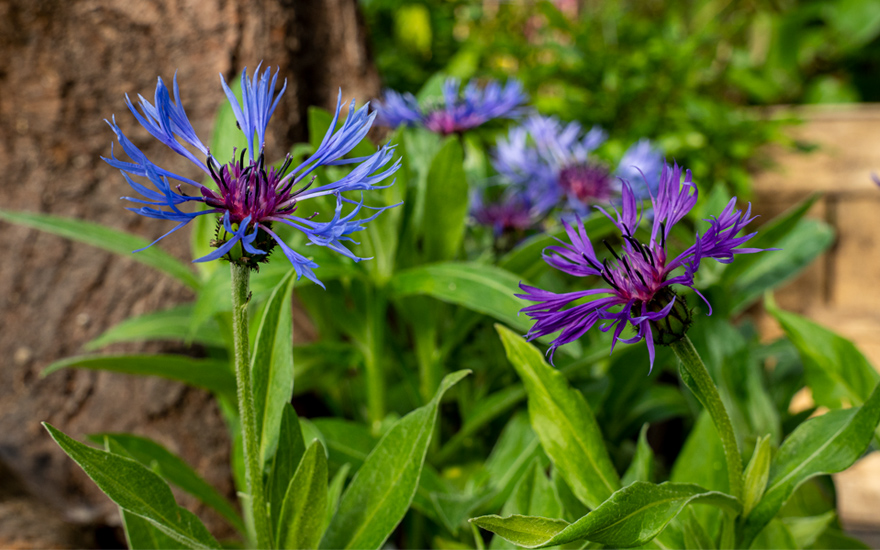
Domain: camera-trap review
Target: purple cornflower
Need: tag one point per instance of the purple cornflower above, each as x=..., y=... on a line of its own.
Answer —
x=639, y=277
x=551, y=163
x=454, y=113
x=510, y=213
x=251, y=196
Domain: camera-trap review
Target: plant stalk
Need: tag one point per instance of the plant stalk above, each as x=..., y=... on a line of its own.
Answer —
x=252, y=466
x=708, y=395
x=373, y=357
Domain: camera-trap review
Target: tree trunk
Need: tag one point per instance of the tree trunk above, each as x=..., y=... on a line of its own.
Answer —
x=65, y=66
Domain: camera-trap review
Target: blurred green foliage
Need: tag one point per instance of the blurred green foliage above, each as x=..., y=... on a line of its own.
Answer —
x=690, y=75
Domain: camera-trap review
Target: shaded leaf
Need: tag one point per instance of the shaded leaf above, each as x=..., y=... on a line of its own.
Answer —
x=446, y=200
x=837, y=372
x=170, y=324
x=305, y=503
x=285, y=461
x=797, y=250
x=756, y=475
x=632, y=516
x=210, y=374
x=106, y=238
x=481, y=288
x=642, y=466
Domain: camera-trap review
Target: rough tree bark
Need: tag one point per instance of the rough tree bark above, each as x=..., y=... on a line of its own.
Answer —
x=65, y=66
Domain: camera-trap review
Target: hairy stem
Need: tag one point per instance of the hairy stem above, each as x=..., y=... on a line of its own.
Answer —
x=252, y=467
x=704, y=388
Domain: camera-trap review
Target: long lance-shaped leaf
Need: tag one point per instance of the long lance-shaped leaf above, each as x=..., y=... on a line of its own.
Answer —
x=285, y=461
x=105, y=238
x=837, y=372
x=272, y=365
x=630, y=517
x=769, y=236
x=383, y=488
x=481, y=288
x=172, y=468
x=823, y=445
x=170, y=324
x=140, y=534
x=136, y=489
x=210, y=374
x=446, y=203
x=305, y=503
x=564, y=422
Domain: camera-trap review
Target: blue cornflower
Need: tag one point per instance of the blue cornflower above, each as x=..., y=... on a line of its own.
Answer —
x=250, y=196
x=639, y=277
x=551, y=164
x=454, y=113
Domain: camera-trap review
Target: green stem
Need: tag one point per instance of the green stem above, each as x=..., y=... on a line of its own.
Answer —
x=252, y=468
x=708, y=395
x=376, y=310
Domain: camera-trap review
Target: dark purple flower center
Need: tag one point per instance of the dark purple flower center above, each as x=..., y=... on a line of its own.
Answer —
x=587, y=182
x=505, y=217
x=252, y=190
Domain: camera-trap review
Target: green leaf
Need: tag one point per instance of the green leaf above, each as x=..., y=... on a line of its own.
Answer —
x=534, y=495
x=173, y=469
x=642, y=466
x=511, y=456
x=823, y=445
x=446, y=203
x=347, y=442
x=769, y=236
x=140, y=534
x=382, y=489
x=334, y=491
x=305, y=503
x=484, y=411
x=756, y=475
x=170, y=324
x=806, y=530
x=776, y=535
x=272, y=365
x=481, y=288
x=836, y=371
x=432, y=89
x=564, y=423
x=693, y=533
x=630, y=517
x=798, y=250
x=137, y=490
x=285, y=461
x=105, y=238
x=210, y=374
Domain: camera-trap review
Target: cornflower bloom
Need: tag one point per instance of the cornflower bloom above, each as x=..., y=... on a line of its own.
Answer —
x=551, y=164
x=640, y=275
x=453, y=113
x=249, y=195
x=511, y=213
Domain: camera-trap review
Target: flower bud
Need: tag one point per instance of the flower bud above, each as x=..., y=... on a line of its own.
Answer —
x=673, y=327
